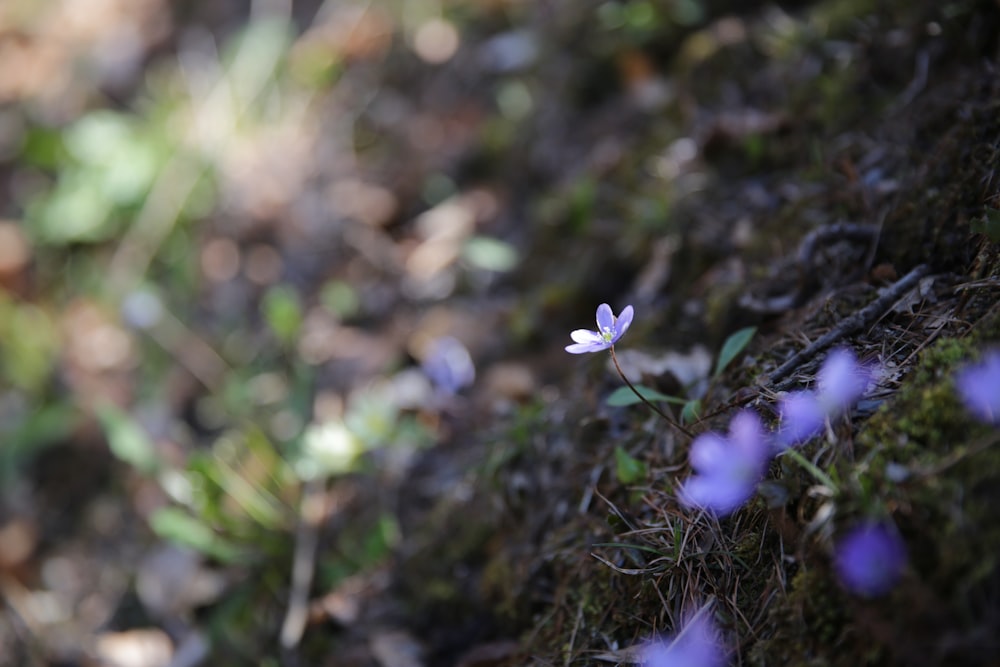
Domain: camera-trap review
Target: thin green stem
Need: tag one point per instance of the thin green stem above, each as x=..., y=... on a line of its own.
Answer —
x=812, y=469
x=642, y=398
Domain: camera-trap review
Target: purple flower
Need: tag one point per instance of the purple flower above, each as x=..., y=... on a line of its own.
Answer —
x=979, y=388
x=609, y=330
x=802, y=417
x=694, y=646
x=448, y=365
x=841, y=382
x=870, y=559
x=727, y=469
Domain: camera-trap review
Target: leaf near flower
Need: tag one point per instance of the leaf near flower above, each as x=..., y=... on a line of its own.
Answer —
x=732, y=347
x=623, y=396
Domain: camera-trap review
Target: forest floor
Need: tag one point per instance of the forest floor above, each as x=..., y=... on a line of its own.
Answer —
x=232, y=238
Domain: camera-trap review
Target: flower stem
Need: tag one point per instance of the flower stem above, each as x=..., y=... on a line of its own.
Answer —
x=812, y=469
x=642, y=398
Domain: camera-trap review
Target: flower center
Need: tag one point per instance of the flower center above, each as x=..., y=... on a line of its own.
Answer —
x=607, y=334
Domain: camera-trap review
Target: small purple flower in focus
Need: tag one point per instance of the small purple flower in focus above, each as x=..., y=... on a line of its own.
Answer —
x=870, y=559
x=448, y=365
x=727, y=469
x=609, y=330
x=694, y=646
x=841, y=382
x=979, y=387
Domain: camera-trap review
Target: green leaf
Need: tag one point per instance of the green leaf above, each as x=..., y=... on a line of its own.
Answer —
x=623, y=396
x=127, y=440
x=181, y=528
x=283, y=313
x=732, y=347
x=490, y=254
x=628, y=469
x=691, y=411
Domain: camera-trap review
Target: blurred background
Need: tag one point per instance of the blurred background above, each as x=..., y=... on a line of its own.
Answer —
x=274, y=274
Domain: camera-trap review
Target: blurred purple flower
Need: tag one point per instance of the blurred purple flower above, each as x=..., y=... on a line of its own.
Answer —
x=727, y=468
x=870, y=559
x=609, y=330
x=694, y=646
x=979, y=387
x=841, y=382
x=802, y=417
x=448, y=365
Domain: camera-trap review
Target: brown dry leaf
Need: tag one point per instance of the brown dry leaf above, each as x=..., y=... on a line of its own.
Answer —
x=18, y=539
x=511, y=380
x=923, y=292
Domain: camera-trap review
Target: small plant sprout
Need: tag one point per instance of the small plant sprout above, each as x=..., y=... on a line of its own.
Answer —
x=841, y=382
x=727, y=469
x=979, y=388
x=870, y=559
x=610, y=329
x=696, y=645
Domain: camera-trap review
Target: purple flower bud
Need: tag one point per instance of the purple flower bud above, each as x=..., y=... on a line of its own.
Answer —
x=609, y=330
x=979, y=388
x=870, y=559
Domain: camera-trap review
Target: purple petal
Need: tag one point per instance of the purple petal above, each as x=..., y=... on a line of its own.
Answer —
x=747, y=432
x=870, y=559
x=979, y=388
x=708, y=450
x=802, y=417
x=694, y=646
x=841, y=381
x=581, y=348
x=586, y=336
x=719, y=493
x=605, y=318
x=624, y=321
x=449, y=365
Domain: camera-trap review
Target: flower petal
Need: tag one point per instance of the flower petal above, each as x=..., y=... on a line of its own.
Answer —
x=718, y=493
x=841, y=381
x=624, y=321
x=605, y=318
x=979, y=387
x=586, y=336
x=870, y=559
x=802, y=417
x=581, y=348
x=707, y=452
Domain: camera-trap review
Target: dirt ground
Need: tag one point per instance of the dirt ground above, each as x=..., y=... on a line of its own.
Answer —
x=234, y=235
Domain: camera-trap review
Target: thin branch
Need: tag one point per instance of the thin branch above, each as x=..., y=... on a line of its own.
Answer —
x=859, y=320
x=303, y=565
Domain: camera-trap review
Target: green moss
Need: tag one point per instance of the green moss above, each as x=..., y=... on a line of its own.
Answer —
x=810, y=618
